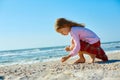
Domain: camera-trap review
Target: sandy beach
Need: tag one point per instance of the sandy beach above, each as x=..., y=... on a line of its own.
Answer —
x=55, y=70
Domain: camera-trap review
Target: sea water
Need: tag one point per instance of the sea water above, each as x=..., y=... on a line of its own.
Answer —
x=45, y=54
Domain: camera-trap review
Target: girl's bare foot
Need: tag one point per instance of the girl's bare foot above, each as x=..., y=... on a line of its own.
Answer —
x=92, y=61
x=92, y=58
x=79, y=61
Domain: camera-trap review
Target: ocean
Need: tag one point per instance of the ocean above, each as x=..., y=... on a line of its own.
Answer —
x=23, y=56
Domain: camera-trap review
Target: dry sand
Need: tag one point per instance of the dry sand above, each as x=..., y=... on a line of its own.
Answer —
x=55, y=70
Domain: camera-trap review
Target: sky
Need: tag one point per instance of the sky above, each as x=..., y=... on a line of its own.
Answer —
x=30, y=23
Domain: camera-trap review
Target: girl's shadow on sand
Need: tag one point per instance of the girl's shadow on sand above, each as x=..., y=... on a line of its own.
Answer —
x=108, y=62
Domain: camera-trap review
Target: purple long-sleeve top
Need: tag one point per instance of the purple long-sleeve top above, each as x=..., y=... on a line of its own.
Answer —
x=84, y=34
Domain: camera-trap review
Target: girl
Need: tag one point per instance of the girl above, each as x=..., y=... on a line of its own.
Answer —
x=83, y=40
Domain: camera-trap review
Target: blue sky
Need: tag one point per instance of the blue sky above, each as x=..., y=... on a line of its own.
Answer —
x=30, y=23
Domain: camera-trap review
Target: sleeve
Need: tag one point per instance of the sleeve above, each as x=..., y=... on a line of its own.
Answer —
x=76, y=39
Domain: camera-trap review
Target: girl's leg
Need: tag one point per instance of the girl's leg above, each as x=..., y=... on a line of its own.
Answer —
x=92, y=57
x=81, y=59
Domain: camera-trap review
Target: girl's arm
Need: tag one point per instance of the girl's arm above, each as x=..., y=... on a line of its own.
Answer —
x=65, y=58
x=69, y=48
x=76, y=41
x=72, y=45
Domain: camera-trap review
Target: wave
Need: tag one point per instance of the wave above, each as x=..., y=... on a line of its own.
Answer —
x=46, y=53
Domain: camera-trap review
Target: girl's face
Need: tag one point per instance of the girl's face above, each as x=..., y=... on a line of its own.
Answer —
x=64, y=31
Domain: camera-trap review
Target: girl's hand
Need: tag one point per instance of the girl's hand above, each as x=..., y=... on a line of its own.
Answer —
x=65, y=58
x=67, y=48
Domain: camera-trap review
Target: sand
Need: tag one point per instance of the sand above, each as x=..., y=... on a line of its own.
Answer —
x=55, y=70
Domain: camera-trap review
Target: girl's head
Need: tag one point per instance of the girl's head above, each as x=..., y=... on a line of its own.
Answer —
x=63, y=25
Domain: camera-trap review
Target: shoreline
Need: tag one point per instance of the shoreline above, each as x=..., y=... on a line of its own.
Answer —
x=49, y=60
x=55, y=70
